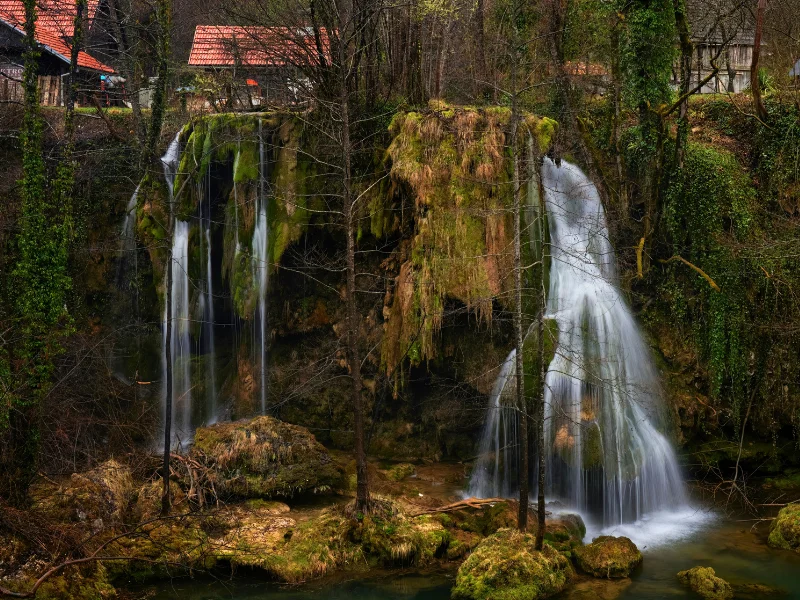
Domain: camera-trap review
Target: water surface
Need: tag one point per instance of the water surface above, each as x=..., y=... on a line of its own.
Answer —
x=669, y=544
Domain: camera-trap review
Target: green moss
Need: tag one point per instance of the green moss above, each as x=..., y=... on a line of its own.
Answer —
x=457, y=168
x=608, y=557
x=506, y=566
x=785, y=529
x=705, y=583
x=400, y=472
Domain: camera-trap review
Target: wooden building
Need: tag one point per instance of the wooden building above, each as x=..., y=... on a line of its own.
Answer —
x=722, y=32
x=54, y=33
x=254, y=66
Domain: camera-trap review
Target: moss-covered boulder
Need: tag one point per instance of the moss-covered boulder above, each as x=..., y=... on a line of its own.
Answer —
x=565, y=532
x=265, y=457
x=99, y=497
x=507, y=566
x=705, y=583
x=400, y=471
x=785, y=530
x=608, y=557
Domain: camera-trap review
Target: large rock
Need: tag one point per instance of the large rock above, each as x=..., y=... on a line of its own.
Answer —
x=609, y=557
x=705, y=583
x=265, y=457
x=506, y=566
x=785, y=530
x=99, y=497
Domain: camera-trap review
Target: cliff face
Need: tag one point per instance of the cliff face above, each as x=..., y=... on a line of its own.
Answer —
x=434, y=261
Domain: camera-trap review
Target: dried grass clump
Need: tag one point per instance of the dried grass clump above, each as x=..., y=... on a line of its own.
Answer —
x=264, y=457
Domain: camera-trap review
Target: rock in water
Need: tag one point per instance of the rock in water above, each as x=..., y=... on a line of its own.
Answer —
x=704, y=581
x=506, y=566
x=609, y=557
x=265, y=458
x=785, y=530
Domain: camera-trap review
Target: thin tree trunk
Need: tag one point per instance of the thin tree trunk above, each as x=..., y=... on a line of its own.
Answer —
x=362, y=484
x=687, y=51
x=480, y=17
x=524, y=450
x=166, y=501
x=540, y=365
x=755, y=84
x=159, y=107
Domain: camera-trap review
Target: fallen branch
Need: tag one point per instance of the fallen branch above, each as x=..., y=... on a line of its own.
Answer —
x=705, y=275
x=466, y=503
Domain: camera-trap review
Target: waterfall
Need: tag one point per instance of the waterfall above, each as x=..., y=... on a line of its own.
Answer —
x=127, y=237
x=498, y=448
x=181, y=335
x=260, y=265
x=179, y=313
x=605, y=453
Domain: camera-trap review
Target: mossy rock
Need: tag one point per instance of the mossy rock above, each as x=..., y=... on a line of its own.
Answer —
x=565, y=532
x=609, y=557
x=507, y=566
x=98, y=497
x=84, y=582
x=705, y=583
x=265, y=457
x=400, y=471
x=785, y=530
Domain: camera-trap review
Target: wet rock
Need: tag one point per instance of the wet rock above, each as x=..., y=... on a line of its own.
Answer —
x=608, y=557
x=265, y=457
x=565, y=531
x=785, y=530
x=704, y=582
x=506, y=566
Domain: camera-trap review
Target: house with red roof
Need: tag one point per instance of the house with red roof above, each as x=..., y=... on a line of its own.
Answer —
x=55, y=28
x=257, y=65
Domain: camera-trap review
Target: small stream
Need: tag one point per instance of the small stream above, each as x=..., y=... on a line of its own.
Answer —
x=738, y=555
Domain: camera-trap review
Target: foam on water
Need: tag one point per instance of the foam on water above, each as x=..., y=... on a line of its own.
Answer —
x=659, y=528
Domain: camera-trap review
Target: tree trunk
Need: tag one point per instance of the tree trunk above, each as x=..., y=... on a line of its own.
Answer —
x=481, y=70
x=166, y=501
x=362, y=484
x=755, y=84
x=541, y=368
x=519, y=340
x=687, y=51
x=159, y=106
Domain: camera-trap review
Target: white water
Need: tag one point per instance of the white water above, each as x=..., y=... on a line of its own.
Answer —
x=260, y=266
x=179, y=314
x=606, y=456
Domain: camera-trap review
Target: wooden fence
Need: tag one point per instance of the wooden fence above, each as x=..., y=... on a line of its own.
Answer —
x=49, y=90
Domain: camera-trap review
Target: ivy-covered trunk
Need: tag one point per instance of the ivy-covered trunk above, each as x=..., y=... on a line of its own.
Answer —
x=41, y=281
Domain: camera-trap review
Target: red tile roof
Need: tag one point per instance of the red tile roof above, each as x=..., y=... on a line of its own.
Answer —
x=58, y=16
x=54, y=28
x=226, y=46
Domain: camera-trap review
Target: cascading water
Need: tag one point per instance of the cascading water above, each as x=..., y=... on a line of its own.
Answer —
x=260, y=267
x=179, y=313
x=127, y=238
x=198, y=267
x=605, y=454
